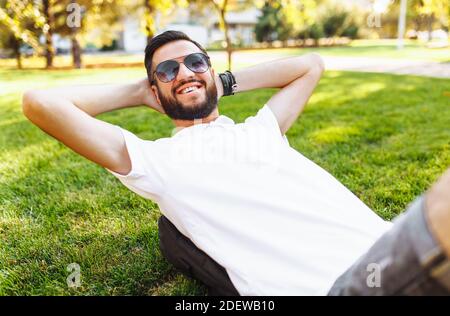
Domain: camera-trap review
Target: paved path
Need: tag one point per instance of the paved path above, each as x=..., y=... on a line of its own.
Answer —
x=395, y=66
x=363, y=64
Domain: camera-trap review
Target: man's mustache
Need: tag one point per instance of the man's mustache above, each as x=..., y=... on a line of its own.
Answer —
x=183, y=82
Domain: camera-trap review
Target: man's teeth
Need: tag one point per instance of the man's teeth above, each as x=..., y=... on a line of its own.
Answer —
x=189, y=89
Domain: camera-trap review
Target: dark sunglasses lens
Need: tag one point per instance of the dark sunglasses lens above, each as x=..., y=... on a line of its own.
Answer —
x=197, y=63
x=167, y=70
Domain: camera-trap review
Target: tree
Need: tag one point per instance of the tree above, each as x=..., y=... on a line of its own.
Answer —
x=272, y=23
x=421, y=15
x=75, y=19
x=151, y=7
x=334, y=23
x=222, y=7
x=20, y=23
x=48, y=31
x=300, y=14
x=32, y=19
x=431, y=11
x=8, y=40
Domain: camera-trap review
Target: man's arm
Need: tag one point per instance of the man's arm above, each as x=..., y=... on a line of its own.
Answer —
x=296, y=76
x=67, y=114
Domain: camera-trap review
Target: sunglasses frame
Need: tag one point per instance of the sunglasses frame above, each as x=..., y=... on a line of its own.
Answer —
x=181, y=62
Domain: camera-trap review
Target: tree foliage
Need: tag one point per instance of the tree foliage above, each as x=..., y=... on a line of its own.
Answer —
x=21, y=23
x=21, y=19
x=272, y=24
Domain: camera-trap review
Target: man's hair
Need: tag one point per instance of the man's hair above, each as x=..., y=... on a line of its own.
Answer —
x=160, y=40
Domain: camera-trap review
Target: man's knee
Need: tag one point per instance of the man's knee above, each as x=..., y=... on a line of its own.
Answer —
x=437, y=208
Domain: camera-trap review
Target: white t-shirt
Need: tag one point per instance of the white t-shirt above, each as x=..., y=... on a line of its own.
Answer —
x=277, y=222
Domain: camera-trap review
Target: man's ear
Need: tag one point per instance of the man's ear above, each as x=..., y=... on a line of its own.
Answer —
x=156, y=93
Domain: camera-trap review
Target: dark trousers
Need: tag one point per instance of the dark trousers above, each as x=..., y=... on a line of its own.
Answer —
x=193, y=262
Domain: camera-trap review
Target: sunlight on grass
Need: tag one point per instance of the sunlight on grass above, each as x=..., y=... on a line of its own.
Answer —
x=332, y=88
x=334, y=134
x=34, y=156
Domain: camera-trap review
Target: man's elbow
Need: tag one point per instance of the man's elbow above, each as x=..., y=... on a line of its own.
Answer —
x=31, y=103
x=317, y=63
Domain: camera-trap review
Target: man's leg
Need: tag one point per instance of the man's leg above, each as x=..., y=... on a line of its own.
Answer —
x=437, y=204
x=193, y=262
x=410, y=259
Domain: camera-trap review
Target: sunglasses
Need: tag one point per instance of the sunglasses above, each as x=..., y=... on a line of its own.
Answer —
x=167, y=71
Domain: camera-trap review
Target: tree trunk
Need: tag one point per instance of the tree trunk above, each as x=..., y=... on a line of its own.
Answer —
x=49, y=49
x=227, y=36
x=430, y=26
x=148, y=12
x=76, y=49
x=76, y=52
x=17, y=53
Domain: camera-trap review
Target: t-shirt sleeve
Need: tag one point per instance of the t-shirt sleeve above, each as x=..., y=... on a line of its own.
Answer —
x=143, y=177
x=266, y=119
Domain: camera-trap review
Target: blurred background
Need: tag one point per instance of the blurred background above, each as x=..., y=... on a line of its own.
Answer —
x=69, y=33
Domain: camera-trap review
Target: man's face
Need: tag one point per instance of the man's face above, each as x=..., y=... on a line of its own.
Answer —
x=171, y=95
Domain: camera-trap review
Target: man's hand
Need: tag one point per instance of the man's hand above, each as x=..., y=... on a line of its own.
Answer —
x=219, y=86
x=148, y=96
x=68, y=114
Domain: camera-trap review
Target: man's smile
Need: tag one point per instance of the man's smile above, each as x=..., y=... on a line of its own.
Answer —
x=188, y=87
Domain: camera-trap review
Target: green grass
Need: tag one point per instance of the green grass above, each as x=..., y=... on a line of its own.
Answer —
x=385, y=137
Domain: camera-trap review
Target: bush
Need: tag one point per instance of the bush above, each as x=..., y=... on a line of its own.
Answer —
x=334, y=23
x=271, y=25
x=351, y=31
x=316, y=31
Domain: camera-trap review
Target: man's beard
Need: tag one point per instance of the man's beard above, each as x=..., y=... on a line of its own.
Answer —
x=177, y=111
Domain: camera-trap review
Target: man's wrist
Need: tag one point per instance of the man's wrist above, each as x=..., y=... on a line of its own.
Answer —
x=228, y=82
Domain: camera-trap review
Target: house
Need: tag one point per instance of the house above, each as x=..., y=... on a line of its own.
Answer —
x=201, y=28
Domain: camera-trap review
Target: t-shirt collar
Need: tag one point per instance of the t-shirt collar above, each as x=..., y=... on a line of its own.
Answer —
x=222, y=119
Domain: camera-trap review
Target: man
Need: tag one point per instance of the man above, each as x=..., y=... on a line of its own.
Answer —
x=244, y=212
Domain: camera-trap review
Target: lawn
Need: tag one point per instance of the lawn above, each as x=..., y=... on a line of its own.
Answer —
x=385, y=137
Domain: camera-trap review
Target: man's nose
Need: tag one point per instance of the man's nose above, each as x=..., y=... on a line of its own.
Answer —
x=184, y=72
